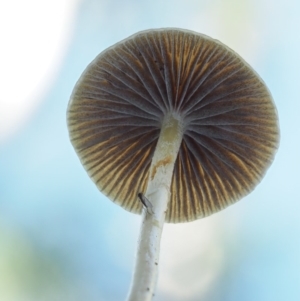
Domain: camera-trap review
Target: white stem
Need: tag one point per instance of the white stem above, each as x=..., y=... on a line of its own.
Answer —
x=158, y=193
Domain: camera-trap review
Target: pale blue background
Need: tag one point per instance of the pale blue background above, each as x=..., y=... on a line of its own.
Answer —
x=61, y=239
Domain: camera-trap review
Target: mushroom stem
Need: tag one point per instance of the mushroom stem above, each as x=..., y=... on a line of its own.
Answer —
x=158, y=193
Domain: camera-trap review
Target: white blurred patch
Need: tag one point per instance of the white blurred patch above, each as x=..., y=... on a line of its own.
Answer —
x=192, y=258
x=192, y=255
x=34, y=37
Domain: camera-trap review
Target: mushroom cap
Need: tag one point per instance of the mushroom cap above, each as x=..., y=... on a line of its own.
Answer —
x=231, y=130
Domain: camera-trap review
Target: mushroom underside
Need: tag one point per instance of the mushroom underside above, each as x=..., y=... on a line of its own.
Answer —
x=229, y=119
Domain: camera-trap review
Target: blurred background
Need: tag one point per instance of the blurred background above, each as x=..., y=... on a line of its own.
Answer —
x=60, y=238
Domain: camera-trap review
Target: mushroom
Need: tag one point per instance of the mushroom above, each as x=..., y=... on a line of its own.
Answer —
x=178, y=119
